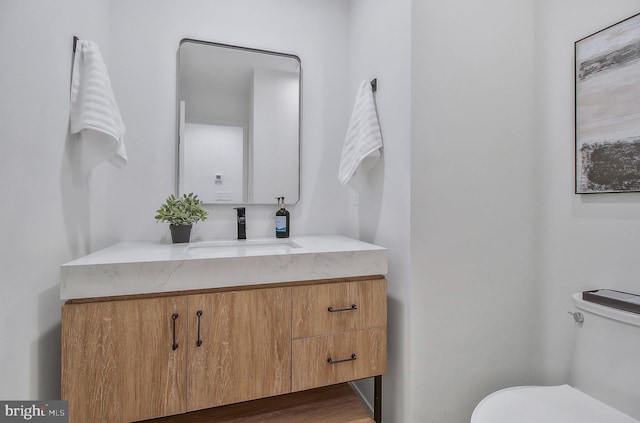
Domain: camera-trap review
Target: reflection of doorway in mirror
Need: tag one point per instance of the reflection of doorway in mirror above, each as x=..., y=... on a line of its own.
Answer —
x=215, y=156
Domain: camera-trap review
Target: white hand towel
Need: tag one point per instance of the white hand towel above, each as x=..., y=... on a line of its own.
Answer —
x=94, y=111
x=361, y=150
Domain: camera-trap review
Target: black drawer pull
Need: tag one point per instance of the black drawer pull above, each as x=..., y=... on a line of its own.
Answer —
x=174, y=344
x=332, y=361
x=199, y=341
x=336, y=310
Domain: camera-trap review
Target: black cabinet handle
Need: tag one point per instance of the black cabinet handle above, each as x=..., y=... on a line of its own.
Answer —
x=199, y=341
x=332, y=361
x=174, y=344
x=336, y=310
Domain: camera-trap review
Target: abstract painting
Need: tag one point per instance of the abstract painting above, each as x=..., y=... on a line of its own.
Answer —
x=607, y=109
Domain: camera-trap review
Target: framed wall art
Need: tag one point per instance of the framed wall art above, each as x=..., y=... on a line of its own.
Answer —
x=607, y=109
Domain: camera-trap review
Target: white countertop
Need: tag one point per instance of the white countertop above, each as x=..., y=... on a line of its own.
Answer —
x=145, y=267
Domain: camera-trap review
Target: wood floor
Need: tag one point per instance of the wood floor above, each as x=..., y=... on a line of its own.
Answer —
x=331, y=404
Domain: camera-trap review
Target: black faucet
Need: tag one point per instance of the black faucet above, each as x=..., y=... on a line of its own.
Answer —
x=242, y=223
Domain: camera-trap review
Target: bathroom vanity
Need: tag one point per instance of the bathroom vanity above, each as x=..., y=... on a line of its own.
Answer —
x=152, y=330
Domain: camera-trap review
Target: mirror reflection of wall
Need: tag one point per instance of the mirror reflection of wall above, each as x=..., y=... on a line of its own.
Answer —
x=275, y=130
x=216, y=156
x=239, y=130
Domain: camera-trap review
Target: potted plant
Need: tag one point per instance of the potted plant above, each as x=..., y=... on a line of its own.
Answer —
x=181, y=213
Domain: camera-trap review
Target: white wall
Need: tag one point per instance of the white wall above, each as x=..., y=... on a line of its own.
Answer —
x=585, y=241
x=275, y=129
x=499, y=240
x=212, y=150
x=49, y=214
x=382, y=216
x=472, y=211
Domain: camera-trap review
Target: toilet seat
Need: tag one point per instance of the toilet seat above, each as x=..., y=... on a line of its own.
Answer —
x=548, y=404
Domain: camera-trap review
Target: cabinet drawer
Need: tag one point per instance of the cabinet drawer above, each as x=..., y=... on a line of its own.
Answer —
x=354, y=355
x=338, y=307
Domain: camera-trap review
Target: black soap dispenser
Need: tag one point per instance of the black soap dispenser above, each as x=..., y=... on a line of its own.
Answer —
x=242, y=220
x=282, y=220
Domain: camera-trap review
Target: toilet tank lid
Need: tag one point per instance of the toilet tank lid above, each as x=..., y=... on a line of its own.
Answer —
x=605, y=311
x=535, y=404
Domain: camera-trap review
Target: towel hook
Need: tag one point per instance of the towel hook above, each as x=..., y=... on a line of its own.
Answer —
x=75, y=41
x=374, y=85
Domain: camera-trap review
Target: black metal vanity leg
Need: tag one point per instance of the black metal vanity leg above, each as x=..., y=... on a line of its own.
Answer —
x=377, y=399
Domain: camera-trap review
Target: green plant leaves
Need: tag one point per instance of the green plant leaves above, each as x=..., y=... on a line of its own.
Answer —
x=184, y=210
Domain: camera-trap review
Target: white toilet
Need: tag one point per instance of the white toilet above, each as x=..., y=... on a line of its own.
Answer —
x=605, y=377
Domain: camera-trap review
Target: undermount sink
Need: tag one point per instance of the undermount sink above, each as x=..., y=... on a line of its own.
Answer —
x=241, y=246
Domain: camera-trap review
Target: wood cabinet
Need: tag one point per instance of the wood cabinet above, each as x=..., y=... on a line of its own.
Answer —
x=132, y=359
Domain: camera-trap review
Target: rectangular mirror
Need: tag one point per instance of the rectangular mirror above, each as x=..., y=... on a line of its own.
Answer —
x=238, y=124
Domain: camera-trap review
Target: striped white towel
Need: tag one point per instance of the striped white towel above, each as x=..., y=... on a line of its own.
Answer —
x=361, y=150
x=94, y=111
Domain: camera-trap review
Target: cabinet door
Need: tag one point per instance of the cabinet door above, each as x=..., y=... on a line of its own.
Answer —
x=118, y=359
x=244, y=351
